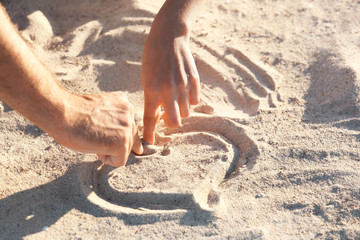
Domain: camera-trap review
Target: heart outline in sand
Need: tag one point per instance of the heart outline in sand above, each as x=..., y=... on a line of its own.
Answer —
x=241, y=149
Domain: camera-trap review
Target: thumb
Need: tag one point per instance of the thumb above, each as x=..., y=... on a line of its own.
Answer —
x=106, y=159
x=102, y=157
x=114, y=161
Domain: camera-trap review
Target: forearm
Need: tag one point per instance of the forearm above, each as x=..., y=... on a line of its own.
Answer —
x=25, y=84
x=102, y=124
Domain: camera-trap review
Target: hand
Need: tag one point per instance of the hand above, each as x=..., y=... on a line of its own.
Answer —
x=102, y=124
x=169, y=75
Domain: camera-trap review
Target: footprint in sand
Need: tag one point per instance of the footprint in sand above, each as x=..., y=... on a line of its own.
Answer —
x=180, y=176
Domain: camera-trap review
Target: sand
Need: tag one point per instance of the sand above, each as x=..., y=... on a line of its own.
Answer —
x=271, y=151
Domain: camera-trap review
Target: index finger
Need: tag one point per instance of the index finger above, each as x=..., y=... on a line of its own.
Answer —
x=151, y=117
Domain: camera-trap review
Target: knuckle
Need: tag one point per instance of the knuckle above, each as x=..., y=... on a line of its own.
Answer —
x=194, y=77
x=126, y=139
x=125, y=122
x=181, y=85
x=122, y=139
x=128, y=120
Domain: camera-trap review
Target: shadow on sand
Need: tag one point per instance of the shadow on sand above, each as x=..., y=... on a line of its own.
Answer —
x=29, y=211
x=333, y=93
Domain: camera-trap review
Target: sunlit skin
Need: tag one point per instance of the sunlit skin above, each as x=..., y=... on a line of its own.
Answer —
x=104, y=123
x=169, y=75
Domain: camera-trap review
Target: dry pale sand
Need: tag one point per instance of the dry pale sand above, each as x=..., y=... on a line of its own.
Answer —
x=271, y=152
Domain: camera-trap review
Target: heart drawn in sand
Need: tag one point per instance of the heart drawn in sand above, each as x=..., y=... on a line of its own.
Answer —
x=181, y=175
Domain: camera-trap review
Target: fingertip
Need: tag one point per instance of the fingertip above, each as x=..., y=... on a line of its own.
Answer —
x=171, y=115
x=185, y=113
x=101, y=157
x=184, y=106
x=172, y=122
x=111, y=160
x=194, y=96
x=194, y=100
x=194, y=89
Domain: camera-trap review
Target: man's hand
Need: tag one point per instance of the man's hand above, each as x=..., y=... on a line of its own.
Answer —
x=102, y=124
x=169, y=75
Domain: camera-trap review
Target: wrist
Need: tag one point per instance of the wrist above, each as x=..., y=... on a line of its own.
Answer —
x=56, y=107
x=172, y=19
x=69, y=108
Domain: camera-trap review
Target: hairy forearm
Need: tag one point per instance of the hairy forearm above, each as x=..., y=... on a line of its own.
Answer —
x=102, y=124
x=25, y=84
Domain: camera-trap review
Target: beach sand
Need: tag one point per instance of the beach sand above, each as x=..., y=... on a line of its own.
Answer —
x=271, y=151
